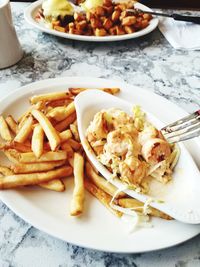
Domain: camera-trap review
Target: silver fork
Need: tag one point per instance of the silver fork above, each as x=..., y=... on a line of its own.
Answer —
x=183, y=129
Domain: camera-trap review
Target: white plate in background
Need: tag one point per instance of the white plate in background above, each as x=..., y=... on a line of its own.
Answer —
x=31, y=11
x=97, y=228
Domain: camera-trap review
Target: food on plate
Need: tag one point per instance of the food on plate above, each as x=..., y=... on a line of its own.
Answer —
x=93, y=17
x=4, y=130
x=78, y=193
x=43, y=147
x=24, y=131
x=131, y=148
x=37, y=141
x=16, y=180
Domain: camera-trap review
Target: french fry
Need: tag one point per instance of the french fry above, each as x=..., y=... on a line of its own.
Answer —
x=4, y=131
x=101, y=182
x=37, y=140
x=66, y=147
x=102, y=196
x=65, y=135
x=48, y=156
x=55, y=185
x=50, y=131
x=74, y=131
x=25, y=130
x=37, y=167
x=77, y=202
x=76, y=91
x=49, y=97
x=63, y=125
x=60, y=102
x=134, y=203
x=74, y=144
x=71, y=161
x=11, y=124
x=13, y=181
x=11, y=156
x=21, y=147
x=5, y=171
x=61, y=113
x=40, y=105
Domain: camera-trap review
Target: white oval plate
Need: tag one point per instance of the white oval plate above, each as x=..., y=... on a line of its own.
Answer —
x=180, y=197
x=97, y=228
x=31, y=11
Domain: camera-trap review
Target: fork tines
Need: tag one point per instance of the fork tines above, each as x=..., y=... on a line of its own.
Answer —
x=183, y=129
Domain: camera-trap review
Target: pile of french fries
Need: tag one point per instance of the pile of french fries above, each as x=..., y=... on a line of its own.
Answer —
x=43, y=148
x=109, y=19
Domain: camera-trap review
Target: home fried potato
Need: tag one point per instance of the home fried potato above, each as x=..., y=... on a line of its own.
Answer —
x=109, y=18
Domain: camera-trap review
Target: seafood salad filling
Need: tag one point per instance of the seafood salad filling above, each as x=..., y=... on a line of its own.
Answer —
x=131, y=148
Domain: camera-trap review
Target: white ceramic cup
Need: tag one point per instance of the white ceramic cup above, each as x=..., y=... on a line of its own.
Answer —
x=10, y=49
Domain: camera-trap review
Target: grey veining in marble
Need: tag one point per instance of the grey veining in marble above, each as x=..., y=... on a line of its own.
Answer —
x=149, y=62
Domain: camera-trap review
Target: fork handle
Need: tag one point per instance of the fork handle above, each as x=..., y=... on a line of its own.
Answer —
x=193, y=19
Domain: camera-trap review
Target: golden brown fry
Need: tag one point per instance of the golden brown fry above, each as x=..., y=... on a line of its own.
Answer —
x=66, y=147
x=55, y=185
x=11, y=124
x=17, y=180
x=40, y=105
x=102, y=196
x=76, y=91
x=4, y=131
x=25, y=130
x=77, y=202
x=101, y=182
x=49, y=97
x=10, y=154
x=5, y=170
x=65, y=135
x=61, y=113
x=74, y=144
x=62, y=125
x=60, y=102
x=37, y=167
x=48, y=156
x=18, y=146
x=50, y=131
x=74, y=130
x=37, y=141
x=71, y=161
x=134, y=203
x=112, y=91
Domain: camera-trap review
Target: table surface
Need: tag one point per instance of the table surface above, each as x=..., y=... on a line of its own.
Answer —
x=149, y=62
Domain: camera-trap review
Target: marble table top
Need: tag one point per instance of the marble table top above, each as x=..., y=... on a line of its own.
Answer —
x=149, y=62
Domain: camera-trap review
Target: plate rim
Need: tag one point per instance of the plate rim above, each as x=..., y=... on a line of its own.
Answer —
x=37, y=86
x=35, y=5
